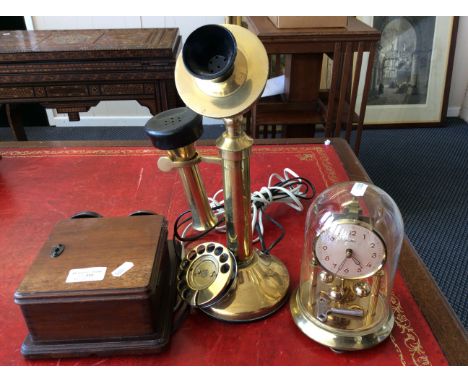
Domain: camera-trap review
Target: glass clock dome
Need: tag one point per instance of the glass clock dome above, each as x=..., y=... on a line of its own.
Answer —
x=353, y=236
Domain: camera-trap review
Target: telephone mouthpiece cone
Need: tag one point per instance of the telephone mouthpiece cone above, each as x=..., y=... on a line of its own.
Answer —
x=221, y=71
x=209, y=53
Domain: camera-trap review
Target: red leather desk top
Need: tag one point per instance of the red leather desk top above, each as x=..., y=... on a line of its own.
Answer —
x=39, y=187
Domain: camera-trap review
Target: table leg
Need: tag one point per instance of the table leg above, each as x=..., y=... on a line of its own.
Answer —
x=346, y=70
x=302, y=84
x=15, y=121
x=336, y=71
x=352, y=104
x=362, y=111
x=302, y=77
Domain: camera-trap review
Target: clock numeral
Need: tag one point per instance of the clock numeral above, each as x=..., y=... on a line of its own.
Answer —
x=364, y=236
x=324, y=247
x=327, y=258
x=368, y=265
x=372, y=245
x=346, y=270
x=359, y=269
x=332, y=238
x=353, y=233
x=374, y=255
x=334, y=265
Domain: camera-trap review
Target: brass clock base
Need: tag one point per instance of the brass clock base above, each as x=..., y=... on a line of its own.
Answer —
x=261, y=289
x=336, y=339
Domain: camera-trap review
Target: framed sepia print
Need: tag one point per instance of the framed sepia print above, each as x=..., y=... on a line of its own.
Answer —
x=412, y=70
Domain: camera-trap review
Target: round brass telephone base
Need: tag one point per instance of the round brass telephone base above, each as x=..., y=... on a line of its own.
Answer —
x=261, y=288
x=335, y=339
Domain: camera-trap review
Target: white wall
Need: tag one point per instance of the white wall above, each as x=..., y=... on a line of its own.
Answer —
x=86, y=22
x=117, y=113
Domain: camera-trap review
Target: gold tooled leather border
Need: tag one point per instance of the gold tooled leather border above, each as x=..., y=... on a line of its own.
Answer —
x=138, y=151
x=303, y=153
x=398, y=350
x=411, y=339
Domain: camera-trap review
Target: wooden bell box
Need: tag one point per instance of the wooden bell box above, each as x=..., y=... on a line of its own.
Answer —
x=100, y=286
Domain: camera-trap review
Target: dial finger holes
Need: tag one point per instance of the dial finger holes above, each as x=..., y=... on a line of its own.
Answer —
x=192, y=255
x=218, y=251
x=210, y=248
x=185, y=263
x=201, y=249
x=186, y=294
x=225, y=268
x=182, y=285
x=223, y=258
x=180, y=275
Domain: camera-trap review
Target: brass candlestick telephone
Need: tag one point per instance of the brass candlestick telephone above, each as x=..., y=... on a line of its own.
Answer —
x=221, y=72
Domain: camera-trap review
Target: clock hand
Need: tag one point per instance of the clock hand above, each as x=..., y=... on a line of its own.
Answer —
x=349, y=253
x=356, y=261
x=342, y=264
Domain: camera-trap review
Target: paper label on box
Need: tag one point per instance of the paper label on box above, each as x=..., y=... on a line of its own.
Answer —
x=359, y=189
x=86, y=274
x=120, y=270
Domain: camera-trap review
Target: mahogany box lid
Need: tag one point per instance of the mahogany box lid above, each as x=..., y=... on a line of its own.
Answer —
x=96, y=243
x=59, y=45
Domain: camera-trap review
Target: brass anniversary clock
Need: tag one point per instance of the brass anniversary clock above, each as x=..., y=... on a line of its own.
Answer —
x=353, y=238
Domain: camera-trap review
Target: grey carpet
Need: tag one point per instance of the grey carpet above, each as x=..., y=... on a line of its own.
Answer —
x=426, y=173
x=424, y=170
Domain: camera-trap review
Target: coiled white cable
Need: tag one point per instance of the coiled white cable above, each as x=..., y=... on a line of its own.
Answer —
x=262, y=199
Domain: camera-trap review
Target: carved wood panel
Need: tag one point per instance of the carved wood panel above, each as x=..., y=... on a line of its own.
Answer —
x=74, y=70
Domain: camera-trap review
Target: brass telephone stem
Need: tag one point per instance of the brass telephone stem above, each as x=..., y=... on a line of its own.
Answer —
x=202, y=215
x=235, y=146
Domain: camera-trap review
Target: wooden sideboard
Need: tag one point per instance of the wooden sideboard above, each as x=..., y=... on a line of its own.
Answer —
x=73, y=70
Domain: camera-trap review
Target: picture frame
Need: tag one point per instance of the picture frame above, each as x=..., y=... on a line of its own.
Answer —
x=412, y=70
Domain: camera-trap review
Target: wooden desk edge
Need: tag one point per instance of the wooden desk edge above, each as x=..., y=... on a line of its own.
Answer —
x=445, y=325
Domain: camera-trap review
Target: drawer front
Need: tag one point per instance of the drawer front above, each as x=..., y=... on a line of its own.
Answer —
x=120, y=89
x=67, y=91
x=16, y=92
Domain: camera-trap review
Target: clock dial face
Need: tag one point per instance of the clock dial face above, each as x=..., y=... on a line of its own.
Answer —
x=350, y=250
